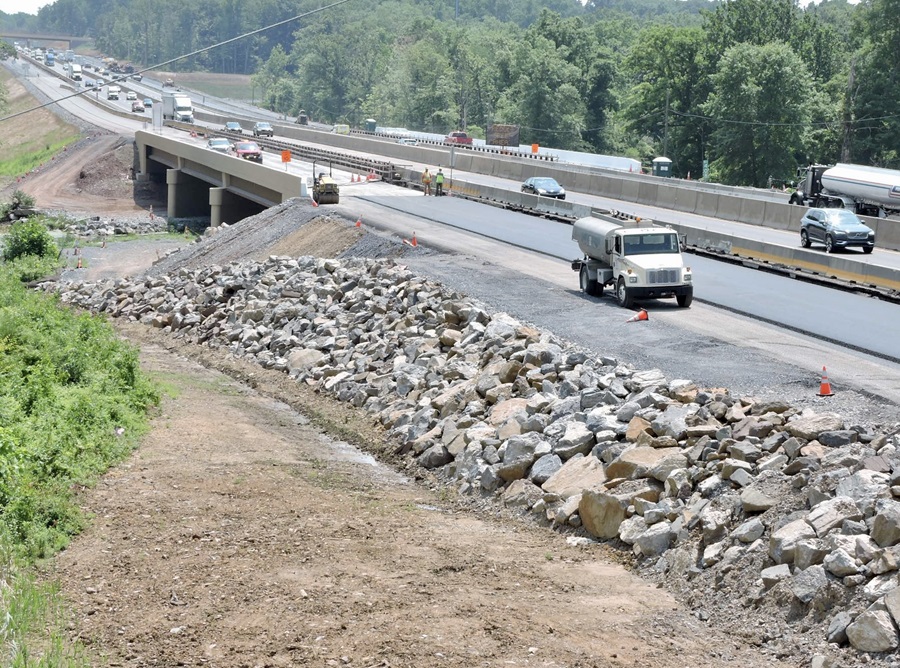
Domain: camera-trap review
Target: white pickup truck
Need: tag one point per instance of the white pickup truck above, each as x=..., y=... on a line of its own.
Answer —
x=638, y=259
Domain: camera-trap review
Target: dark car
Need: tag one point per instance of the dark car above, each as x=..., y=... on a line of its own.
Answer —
x=544, y=186
x=248, y=150
x=262, y=129
x=835, y=228
x=234, y=126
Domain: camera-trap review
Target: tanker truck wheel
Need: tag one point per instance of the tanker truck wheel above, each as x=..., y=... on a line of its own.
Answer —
x=623, y=295
x=589, y=287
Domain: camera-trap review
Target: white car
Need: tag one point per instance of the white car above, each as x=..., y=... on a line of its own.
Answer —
x=131, y=95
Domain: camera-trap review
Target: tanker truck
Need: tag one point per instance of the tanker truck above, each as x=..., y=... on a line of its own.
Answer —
x=639, y=260
x=867, y=191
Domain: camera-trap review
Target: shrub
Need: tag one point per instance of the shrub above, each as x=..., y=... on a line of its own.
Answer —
x=19, y=200
x=29, y=238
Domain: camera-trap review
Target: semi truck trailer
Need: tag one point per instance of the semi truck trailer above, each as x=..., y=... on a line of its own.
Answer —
x=177, y=107
x=867, y=191
x=639, y=260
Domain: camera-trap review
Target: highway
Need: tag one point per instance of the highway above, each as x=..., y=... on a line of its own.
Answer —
x=792, y=323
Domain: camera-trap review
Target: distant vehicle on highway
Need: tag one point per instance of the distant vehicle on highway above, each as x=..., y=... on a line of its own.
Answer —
x=137, y=106
x=248, y=150
x=263, y=129
x=220, y=144
x=131, y=95
x=459, y=138
x=544, y=186
x=170, y=82
x=835, y=228
x=89, y=83
x=233, y=126
x=148, y=102
x=137, y=77
x=409, y=141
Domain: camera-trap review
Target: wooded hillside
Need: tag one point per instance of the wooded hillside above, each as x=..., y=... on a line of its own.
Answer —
x=753, y=87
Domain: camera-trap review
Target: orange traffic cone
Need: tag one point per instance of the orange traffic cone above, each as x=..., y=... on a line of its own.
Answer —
x=825, y=386
x=359, y=222
x=640, y=315
x=414, y=242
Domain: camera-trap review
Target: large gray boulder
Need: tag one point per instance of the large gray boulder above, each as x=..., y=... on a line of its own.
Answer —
x=873, y=631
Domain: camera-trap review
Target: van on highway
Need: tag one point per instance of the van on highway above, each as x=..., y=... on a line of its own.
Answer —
x=112, y=92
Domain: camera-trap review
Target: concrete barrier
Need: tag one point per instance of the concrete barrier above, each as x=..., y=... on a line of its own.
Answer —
x=666, y=196
x=752, y=211
x=728, y=208
x=648, y=193
x=707, y=204
x=631, y=190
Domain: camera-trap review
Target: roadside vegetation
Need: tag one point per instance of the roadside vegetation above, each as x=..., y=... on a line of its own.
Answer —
x=30, y=140
x=73, y=402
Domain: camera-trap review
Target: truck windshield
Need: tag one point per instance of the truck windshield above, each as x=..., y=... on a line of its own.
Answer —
x=649, y=244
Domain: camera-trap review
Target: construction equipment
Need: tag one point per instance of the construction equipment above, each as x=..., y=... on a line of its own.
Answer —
x=325, y=188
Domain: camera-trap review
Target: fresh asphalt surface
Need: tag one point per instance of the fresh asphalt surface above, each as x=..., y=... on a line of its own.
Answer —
x=857, y=321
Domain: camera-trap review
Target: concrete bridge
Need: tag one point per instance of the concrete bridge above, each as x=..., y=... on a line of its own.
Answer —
x=203, y=182
x=38, y=39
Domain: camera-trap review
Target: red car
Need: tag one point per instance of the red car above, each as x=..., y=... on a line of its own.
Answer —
x=248, y=150
x=459, y=138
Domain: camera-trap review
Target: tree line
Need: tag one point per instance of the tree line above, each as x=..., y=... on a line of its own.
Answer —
x=745, y=89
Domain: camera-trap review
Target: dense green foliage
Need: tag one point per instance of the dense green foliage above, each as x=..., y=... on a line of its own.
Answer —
x=66, y=384
x=691, y=78
x=28, y=237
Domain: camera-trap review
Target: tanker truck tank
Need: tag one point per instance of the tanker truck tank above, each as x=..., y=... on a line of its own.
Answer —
x=867, y=191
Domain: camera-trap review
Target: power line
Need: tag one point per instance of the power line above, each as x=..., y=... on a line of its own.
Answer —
x=186, y=55
x=790, y=125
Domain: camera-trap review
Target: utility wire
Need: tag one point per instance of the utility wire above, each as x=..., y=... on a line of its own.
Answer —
x=790, y=125
x=182, y=57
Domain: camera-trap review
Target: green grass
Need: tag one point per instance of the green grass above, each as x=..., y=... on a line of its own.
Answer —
x=23, y=157
x=67, y=384
x=234, y=87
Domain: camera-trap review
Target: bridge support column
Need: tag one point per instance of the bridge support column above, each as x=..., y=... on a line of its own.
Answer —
x=173, y=177
x=216, y=200
x=187, y=197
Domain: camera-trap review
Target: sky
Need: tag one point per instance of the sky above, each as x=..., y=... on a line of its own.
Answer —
x=27, y=6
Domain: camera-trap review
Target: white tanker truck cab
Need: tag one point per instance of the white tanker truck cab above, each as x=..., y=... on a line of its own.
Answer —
x=639, y=260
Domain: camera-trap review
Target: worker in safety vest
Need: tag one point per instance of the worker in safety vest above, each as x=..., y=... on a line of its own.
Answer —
x=426, y=182
x=439, y=183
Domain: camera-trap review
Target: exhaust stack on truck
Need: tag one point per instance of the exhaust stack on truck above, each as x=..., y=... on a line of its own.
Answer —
x=639, y=260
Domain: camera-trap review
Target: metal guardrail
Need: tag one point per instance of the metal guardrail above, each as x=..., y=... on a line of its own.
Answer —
x=465, y=147
x=384, y=171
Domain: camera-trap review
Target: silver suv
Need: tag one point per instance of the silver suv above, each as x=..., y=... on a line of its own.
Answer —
x=263, y=129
